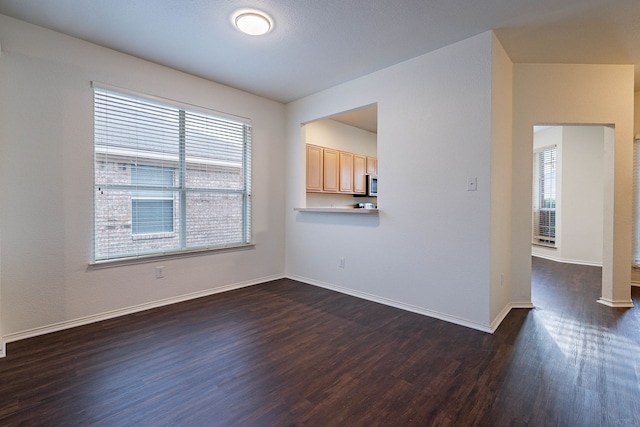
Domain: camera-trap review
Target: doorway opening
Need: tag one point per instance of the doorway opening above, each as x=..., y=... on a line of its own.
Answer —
x=569, y=204
x=341, y=159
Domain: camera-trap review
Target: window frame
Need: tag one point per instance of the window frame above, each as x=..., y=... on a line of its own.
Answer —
x=182, y=167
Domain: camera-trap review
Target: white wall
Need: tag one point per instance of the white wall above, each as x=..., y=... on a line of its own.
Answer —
x=46, y=183
x=428, y=250
x=555, y=93
x=2, y=343
x=582, y=194
x=501, y=172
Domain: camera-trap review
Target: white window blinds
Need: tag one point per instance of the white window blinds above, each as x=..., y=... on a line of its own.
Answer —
x=544, y=197
x=167, y=179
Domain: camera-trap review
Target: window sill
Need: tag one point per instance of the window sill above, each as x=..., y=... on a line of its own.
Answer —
x=142, y=259
x=544, y=245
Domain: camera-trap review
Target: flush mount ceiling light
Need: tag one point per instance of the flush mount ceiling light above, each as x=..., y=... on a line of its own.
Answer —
x=252, y=22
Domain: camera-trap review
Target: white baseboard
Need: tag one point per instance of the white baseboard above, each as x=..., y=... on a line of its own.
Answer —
x=522, y=305
x=568, y=261
x=615, y=304
x=498, y=320
x=30, y=333
x=505, y=311
x=392, y=303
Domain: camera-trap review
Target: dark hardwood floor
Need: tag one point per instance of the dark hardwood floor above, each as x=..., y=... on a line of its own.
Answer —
x=286, y=353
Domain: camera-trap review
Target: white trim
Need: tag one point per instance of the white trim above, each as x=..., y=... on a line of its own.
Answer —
x=3, y=348
x=615, y=304
x=634, y=283
x=30, y=333
x=396, y=304
x=568, y=261
x=141, y=259
x=505, y=311
x=526, y=305
x=498, y=320
x=543, y=245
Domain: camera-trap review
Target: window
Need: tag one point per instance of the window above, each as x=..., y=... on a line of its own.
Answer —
x=544, y=197
x=151, y=210
x=168, y=179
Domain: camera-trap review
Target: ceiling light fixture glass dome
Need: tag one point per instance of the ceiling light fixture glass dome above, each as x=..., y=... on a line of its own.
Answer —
x=252, y=22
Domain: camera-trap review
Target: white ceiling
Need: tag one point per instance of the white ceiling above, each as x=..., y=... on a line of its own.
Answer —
x=364, y=118
x=316, y=44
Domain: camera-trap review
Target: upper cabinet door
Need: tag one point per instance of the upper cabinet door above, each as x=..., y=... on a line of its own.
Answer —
x=359, y=174
x=346, y=172
x=334, y=171
x=314, y=168
x=372, y=165
x=330, y=169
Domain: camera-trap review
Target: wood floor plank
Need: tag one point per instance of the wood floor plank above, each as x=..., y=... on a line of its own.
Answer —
x=289, y=354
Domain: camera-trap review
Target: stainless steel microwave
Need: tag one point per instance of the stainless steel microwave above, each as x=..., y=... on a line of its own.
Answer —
x=372, y=185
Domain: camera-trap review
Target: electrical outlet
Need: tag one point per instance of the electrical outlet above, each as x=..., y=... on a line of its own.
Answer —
x=341, y=262
x=159, y=272
x=472, y=183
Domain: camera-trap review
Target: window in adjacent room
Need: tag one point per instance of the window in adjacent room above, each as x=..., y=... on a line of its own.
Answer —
x=168, y=179
x=636, y=203
x=544, y=196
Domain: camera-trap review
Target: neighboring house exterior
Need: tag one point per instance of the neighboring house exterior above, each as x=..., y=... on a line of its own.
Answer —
x=148, y=221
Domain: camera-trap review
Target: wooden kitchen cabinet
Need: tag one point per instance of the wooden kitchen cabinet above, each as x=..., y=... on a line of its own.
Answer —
x=334, y=171
x=346, y=172
x=331, y=164
x=314, y=168
x=359, y=174
x=372, y=165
